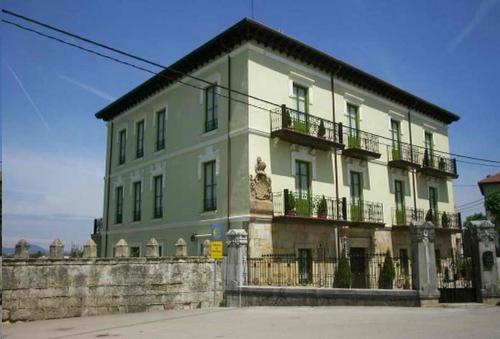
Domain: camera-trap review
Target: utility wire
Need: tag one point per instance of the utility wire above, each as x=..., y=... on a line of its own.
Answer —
x=181, y=73
x=471, y=202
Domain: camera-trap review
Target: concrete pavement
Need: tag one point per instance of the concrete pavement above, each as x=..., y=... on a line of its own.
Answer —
x=463, y=321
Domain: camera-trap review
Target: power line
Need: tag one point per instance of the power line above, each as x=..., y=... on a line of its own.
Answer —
x=181, y=73
x=481, y=200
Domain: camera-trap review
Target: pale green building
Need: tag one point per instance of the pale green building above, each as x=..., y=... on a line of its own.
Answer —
x=180, y=153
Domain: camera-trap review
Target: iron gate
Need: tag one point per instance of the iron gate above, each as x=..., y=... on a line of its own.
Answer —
x=456, y=279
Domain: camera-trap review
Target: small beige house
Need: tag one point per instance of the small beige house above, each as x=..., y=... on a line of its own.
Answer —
x=257, y=130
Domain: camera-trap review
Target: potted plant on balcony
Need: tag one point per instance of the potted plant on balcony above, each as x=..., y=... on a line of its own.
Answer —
x=287, y=119
x=291, y=205
x=445, y=220
x=396, y=154
x=441, y=164
x=343, y=273
x=388, y=273
x=304, y=205
x=322, y=208
x=321, y=129
x=301, y=126
x=429, y=217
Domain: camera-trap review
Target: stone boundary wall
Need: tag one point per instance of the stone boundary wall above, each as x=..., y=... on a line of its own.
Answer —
x=310, y=296
x=36, y=289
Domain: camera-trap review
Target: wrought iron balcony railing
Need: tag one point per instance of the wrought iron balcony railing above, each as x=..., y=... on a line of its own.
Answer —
x=303, y=205
x=404, y=216
x=402, y=155
x=360, y=144
x=436, y=164
x=292, y=204
x=304, y=128
x=444, y=219
x=365, y=211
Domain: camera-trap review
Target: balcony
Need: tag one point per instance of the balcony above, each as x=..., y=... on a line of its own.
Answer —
x=402, y=218
x=360, y=144
x=445, y=221
x=305, y=129
x=293, y=207
x=403, y=156
x=438, y=166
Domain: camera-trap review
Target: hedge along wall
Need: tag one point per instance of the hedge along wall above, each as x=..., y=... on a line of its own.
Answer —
x=35, y=289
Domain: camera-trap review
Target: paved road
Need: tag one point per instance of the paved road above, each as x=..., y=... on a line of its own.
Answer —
x=279, y=322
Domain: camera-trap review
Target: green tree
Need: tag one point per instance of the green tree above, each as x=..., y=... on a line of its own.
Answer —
x=75, y=252
x=343, y=273
x=388, y=273
x=492, y=203
x=476, y=216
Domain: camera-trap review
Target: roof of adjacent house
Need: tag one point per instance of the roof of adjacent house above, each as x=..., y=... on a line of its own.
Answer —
x=248, y=30
x=490, y=179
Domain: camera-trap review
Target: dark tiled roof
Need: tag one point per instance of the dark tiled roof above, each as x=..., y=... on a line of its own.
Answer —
x=490, y=179
x=249, y=30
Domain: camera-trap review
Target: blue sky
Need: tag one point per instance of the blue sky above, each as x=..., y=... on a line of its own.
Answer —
x=53, y=147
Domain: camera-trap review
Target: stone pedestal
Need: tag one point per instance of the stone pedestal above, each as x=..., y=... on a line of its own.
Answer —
x=121, y=249
x=181, y=248
x=236, y=265
x=152, y=248
x=90, y=249
x=483, y=235
x=56, y=249
x=22, y=250
x=424, y=273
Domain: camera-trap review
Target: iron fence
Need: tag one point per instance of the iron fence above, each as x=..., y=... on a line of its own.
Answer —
x=404, y=216
x=444, y=219
x=304, y=123
x=454, y=272
x=320, y=271
x=437, y=161
x=364, y=211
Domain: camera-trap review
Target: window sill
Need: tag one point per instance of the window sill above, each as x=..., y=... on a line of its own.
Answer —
x=159, y=150
x=208, y=213
x=210, y=133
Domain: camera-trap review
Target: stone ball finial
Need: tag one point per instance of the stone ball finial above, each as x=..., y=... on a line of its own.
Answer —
x=121, y=249
x=90, y=249
x=152, y=248
x=22, y=250
x=56, y=249
x=180, y=248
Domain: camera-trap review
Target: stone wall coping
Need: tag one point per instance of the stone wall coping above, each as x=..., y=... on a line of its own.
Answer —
x=103, y=261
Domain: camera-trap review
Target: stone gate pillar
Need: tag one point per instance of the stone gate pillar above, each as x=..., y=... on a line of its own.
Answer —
x=236, y=265
x=484, y=258
x=424, y=273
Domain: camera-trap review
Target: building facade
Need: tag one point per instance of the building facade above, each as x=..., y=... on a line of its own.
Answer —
x=256, y=130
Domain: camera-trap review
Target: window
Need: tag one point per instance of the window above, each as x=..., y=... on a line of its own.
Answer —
x=139, y=129
x=302, y=178
x=210, y=108
x=396, y=134
x=122, y=136
x=137, y=201
x=433, y=200
x=429, y=146
x=158, y=203
x=356, y=187
x=135, y=251
x=119, y=205
x=400, y=202
x=160, y=130
x=301, y=98
x=353, y=117
x=210, y=197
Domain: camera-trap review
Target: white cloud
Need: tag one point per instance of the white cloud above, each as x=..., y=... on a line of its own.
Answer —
x=483, y=10
x=88, y=88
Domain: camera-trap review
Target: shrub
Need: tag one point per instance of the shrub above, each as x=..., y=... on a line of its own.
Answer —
x=445, y=220
x=291, y=201
x=322, y=207
x=287, y=119
x=301, y=126
x=492, y=203
x=321, y=129
x=429, y=216
x=343, y=273
x=388, y=273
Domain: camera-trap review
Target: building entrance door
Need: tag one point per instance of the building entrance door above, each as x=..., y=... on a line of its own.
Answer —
x=358, y=267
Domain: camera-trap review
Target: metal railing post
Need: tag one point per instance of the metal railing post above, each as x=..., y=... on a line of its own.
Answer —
x=344, y=208
x=285, y=202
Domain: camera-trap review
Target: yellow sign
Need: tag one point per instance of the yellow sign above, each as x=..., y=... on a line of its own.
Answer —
x=216, y=249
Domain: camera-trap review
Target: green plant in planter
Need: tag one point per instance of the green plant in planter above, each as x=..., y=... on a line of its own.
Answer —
x=321, y=129
x=300, y=126
x=291, y=203
x=357, y=211
x=396, y=154
x=343, y=273
x=304, y=206
x=322, y=208
x=445, y=220
x=287, y=119
x=400, y=216
x=429, y=216
x=387, y=274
